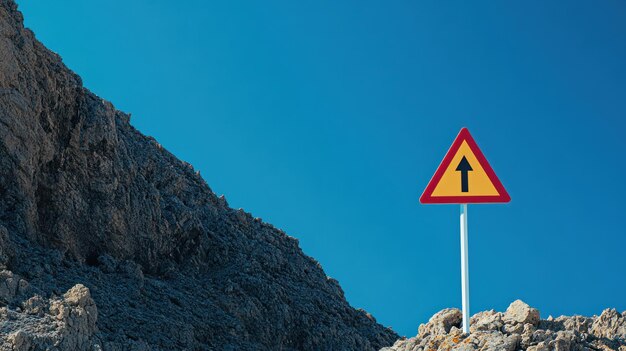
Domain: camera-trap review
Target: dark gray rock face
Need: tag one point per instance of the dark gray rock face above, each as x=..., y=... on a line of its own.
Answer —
x=161, y=263
x=519, y=328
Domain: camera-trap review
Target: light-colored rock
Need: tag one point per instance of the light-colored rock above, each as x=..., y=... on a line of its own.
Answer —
x=578, y=324
x=500, y=342
x=611, y=324
x=441, y=322
x=520, y=312
x=486, y=321
x=539, y=347
x=66, y=323
x=20, y=340
x=527, y=335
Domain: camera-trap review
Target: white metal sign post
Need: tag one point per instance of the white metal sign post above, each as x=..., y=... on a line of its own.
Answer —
x=464, y=270
x=464, y=177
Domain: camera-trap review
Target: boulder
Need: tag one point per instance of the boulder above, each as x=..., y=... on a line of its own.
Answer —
x=486, y=321
x=58, y=323
x=521, y=313
x=611, y=324
x=442, y=322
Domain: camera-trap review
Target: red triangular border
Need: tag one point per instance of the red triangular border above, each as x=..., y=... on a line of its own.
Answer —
x=464, y=135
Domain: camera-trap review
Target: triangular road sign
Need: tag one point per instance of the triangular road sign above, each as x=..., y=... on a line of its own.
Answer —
x=464, y=176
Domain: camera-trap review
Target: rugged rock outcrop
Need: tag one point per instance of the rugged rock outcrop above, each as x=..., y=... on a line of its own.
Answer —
x=93, y=213
x=66, y=323
x=519, y=328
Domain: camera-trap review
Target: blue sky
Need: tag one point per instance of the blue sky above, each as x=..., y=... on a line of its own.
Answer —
x=328, y=118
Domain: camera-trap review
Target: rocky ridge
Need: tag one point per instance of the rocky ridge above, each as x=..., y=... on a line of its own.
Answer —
x=108, y=241
x=518, y=328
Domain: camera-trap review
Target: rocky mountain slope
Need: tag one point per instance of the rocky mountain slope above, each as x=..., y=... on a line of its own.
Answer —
x=108, y=242
x=519, y=328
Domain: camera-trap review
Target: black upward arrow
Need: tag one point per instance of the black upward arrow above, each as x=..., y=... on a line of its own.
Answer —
x=464, y=167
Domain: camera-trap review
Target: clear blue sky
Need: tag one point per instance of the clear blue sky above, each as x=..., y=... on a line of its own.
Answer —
x=328, y=118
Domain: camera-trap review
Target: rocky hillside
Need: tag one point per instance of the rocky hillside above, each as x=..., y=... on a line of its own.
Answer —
x=519, y=328
x=108, y=242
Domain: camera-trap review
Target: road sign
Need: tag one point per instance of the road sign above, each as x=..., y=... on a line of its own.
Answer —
x=464, y=176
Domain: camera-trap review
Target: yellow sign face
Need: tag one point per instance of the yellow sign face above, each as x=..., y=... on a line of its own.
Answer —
x=464, y=176
x=478, y=180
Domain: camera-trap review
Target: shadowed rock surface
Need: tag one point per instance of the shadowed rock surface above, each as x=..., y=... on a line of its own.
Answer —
x=107, y=241
x=519, y=328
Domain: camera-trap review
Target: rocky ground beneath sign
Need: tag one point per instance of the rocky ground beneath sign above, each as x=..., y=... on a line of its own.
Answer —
x=518, y=328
